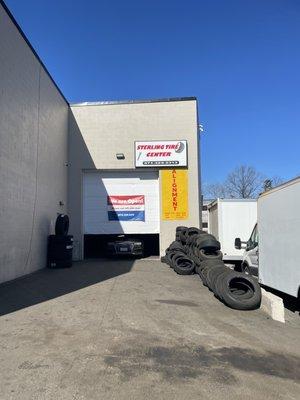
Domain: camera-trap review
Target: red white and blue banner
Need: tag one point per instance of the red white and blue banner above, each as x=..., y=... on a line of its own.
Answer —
x=126, y=208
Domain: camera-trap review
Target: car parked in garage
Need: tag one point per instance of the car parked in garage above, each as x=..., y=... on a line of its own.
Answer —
x=123, y=246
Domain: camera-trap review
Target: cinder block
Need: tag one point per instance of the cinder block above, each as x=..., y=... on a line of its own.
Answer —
x=273, y=306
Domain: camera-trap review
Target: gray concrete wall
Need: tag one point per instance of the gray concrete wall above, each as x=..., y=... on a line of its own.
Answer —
x=33, y=150
x=97, y=132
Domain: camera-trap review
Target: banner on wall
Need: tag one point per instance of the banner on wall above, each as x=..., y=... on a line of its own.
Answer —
x=175, y=194
x=126, y=208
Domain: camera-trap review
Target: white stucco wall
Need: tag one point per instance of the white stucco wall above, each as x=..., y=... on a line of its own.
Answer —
x=33, y=150
x=97, y=132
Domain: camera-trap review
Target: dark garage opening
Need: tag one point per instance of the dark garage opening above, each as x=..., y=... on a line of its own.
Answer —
x=95, y=246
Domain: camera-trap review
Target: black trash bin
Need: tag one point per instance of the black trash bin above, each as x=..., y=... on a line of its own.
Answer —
x=60, y=251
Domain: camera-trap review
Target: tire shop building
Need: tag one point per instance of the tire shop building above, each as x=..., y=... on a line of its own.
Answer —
x=114, y=167
x=145, y=152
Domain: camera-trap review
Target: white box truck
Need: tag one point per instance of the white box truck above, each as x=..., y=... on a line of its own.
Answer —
x=279, y=238
x=231, y=218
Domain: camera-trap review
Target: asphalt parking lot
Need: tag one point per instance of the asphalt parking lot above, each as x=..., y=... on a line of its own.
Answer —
x=109, y=329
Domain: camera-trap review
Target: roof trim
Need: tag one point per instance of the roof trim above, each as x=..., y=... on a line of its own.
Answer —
x=221, y=200
x=103, y=103
x=6, y=9
x=281, y=186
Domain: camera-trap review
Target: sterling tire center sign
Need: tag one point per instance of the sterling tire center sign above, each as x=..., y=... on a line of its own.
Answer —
x=167, y=153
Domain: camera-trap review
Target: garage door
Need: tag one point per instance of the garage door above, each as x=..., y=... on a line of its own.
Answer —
x=121, y=202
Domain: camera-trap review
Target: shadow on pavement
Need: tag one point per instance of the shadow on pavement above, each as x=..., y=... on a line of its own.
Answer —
x=47, y=284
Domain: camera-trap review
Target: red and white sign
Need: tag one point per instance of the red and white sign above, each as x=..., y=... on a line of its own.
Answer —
x=161, y=153
x=126, y=208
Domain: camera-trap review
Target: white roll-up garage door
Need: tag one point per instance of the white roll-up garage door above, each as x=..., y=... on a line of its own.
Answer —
x=121, y=202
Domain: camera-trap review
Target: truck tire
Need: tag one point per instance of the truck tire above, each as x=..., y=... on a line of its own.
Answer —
x=212, y=275
x=218, y=284
x=183, y=237
x=211, y=263
x=194, y=231
x=169, y=257
x=204, y=272
x=184, y=265
x=235, y=281
x=210, y=255
x=179, y=230
x=207, y=242
x=62, y=225
x=176, y=246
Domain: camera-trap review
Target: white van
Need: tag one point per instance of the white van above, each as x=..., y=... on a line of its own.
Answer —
x=249, y=263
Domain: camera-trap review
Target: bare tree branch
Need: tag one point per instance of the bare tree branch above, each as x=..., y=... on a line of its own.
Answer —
x=214, y=190
x=244, y=182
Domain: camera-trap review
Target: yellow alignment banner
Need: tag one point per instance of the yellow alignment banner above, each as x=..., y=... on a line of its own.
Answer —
x=175, y=194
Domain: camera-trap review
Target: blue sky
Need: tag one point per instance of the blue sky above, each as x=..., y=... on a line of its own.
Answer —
x=241, y=58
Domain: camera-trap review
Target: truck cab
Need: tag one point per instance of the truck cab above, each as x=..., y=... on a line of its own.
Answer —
x=249, y=263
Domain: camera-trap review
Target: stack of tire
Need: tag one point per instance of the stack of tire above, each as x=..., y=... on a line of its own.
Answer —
x=60, y=245
x=197, y=251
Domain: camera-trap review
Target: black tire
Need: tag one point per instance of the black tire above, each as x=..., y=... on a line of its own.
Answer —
x=211, y=263
x=183, y=237
x=195, y=259
x=62, y=225
x=173, y=255
x=233, y=283
x=218, y=283
x=184, y=265
x=193, y=231
x=207, y=242
x=176, y=246
x=210, y=255
x=203, y=274
x=191, y=239
x=179, y=230
x=169, y=257
x=178, y=254
x=212, y=275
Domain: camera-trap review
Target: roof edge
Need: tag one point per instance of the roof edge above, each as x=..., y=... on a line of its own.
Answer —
x=8, y=12
x=101, y=103
x=283, y=185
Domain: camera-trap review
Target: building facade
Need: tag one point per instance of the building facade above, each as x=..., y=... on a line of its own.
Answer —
x=87, y=160
x=33, y=153
x=98, y=133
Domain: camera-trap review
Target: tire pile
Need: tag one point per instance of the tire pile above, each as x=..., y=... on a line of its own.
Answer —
x=195, y=251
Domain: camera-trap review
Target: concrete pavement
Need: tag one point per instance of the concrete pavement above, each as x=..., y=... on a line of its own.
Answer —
x=136, y=330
